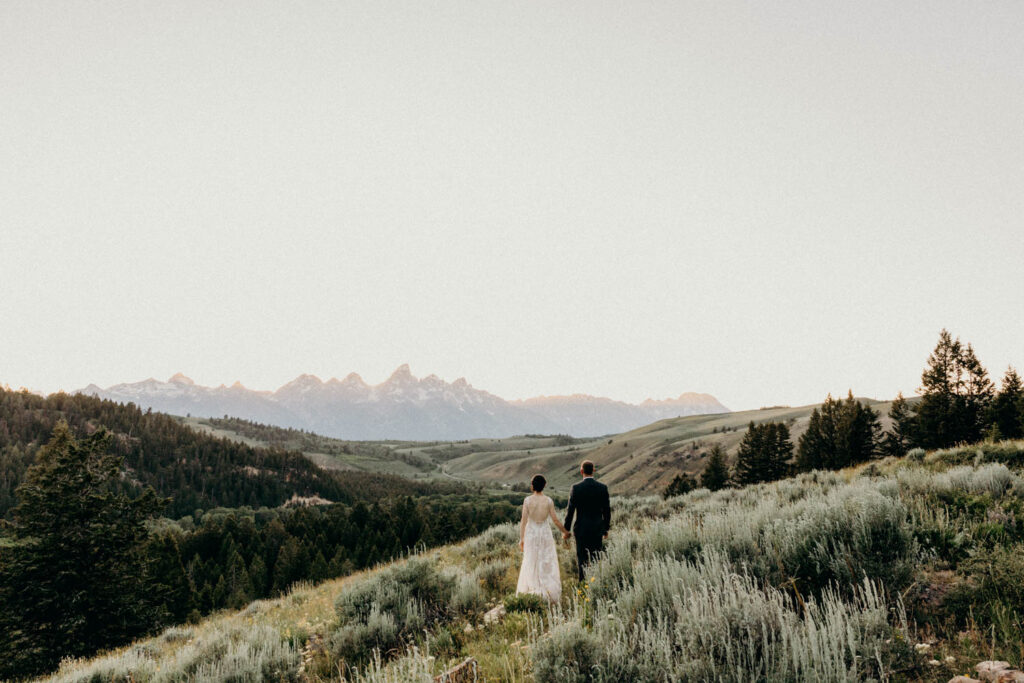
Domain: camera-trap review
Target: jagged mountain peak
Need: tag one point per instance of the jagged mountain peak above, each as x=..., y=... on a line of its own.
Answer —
x=401, y=374
x=404, y=407
x=354, y=379
x=302, y=383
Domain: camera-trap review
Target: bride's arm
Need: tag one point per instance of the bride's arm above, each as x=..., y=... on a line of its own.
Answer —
x=554, y=518
x=522, y=526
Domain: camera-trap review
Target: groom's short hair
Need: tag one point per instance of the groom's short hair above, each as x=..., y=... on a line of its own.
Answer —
x=538, y=482
x=587, y=468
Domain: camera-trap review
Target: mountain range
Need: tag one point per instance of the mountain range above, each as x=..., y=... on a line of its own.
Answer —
x=403, y=407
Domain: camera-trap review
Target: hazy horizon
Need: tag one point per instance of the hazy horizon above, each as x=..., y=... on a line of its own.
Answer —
x=766, y=203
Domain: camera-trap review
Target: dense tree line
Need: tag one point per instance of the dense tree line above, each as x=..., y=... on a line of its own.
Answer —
x=289, y=438
x=959, y=404
x=231, y=557
x=194, y=470
x=85, y=566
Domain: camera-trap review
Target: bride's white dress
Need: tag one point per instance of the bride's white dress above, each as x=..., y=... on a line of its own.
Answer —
x=539, y=573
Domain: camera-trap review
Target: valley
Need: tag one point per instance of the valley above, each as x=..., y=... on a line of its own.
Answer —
x=639, y=461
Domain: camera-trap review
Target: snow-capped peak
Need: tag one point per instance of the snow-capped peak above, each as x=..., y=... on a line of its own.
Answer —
x=179, y=378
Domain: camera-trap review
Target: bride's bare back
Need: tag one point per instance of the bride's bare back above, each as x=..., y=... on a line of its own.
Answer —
x=538, y=508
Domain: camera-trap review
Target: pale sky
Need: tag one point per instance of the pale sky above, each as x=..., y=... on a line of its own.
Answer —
x=763, y=201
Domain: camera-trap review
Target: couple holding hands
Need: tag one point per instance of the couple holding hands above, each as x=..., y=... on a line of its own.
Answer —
x=589, y=504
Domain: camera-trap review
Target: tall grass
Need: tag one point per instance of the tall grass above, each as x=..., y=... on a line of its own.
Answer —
x=798, y=580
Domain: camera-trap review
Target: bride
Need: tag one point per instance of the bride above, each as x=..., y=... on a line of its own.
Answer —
x=539, y=573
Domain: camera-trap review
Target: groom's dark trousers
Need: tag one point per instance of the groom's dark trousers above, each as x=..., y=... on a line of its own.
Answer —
x=589, y=504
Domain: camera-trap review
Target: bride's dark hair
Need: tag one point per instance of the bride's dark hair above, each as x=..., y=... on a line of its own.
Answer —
x=538, y=482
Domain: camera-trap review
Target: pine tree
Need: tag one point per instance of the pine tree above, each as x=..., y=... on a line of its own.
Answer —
x=750, y=457
x=239, y=586
x=318, y=569
x=167, y=581
x=858, y=432
x=817, y=446
x=258, y=576
x=1005, y=411
x=976, y=397
x=780, y=453
x=955, y=395
x=840, y=434
x=940, y=383
x=73, y=583
x=763, y=454
x=900, y=437
x=680, y=484
x=716, y=472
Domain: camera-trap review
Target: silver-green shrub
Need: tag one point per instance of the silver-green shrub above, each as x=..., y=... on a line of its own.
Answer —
x=237, y=654
x=701, y=620
x=385, y=609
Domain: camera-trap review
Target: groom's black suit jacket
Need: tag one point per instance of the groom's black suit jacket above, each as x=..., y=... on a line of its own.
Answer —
x=588, y=501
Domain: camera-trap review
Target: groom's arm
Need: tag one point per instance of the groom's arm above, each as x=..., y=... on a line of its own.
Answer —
x=606, y=511
x=572, y=508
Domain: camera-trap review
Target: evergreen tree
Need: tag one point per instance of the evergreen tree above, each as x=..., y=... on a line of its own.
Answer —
x=955, y=395
x=817, y=446
x=73, y=582
x=858, y=432
x=940, y=382
x=290, y=566
x=900, y=437
x=680, y=484
x=716, y=472
x=167, y=581
x=750, y=457
x=839, y=434
x=764, y=453
x=258, y=575
x=1005, y=411
x=238, y=584
x=778, y=463
x=318, y=570
x=976, y=397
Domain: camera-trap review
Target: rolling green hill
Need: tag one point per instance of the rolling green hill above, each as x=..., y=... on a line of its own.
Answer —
x=640, y=461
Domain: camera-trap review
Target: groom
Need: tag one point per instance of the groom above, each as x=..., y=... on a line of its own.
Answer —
x=588, y=501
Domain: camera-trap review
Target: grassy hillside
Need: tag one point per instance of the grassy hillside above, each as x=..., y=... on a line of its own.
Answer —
x=415, y=459
x=896, y=570
x=641, y=461
x=194, y=469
